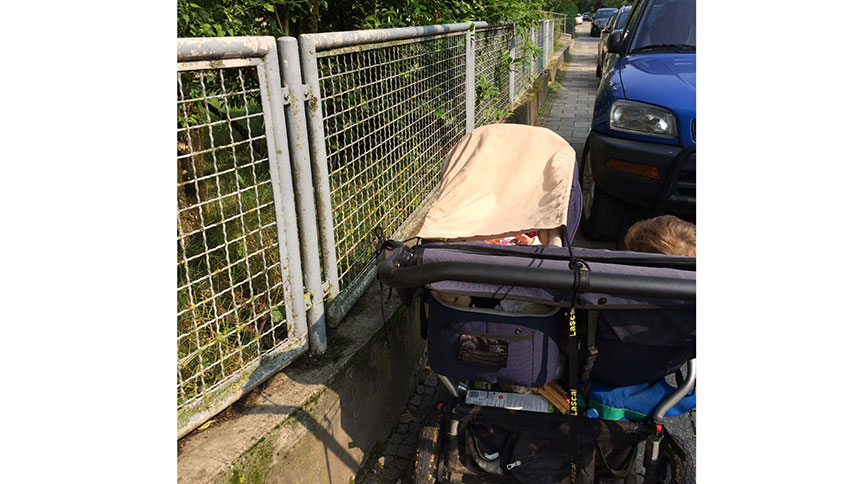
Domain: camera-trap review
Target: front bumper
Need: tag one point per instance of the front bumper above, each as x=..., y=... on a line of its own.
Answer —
x=672, y=191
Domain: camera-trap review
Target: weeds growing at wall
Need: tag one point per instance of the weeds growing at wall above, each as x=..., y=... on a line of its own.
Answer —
x=230, y=299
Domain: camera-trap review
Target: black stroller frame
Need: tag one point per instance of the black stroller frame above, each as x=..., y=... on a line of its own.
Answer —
x=400, y=267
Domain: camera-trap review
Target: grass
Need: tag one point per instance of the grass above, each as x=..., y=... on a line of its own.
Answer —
x=553, y=89
x=229, y=295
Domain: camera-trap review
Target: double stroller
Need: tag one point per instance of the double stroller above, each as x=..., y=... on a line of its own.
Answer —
x=554, y=356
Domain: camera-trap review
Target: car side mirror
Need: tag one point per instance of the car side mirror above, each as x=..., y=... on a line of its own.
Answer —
x=613, y=44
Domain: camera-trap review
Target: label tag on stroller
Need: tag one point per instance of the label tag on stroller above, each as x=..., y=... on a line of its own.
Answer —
x=512, y=401
x=482, y=351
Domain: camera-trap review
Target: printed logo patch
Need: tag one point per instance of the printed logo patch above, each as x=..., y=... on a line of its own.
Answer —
x=481, y=351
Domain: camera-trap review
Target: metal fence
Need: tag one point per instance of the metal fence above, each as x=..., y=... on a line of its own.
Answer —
x=385, y=114
x=493, y=64
x=239, y=291
x=525, y=66
x=359, y=123
x=559, y=25
x=539, y=37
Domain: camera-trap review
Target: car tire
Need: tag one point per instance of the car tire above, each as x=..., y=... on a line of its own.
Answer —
x=598, y=73
x=429, y=452
x=604, y=218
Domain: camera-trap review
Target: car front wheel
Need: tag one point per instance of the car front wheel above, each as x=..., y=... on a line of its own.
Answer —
x=604, y=217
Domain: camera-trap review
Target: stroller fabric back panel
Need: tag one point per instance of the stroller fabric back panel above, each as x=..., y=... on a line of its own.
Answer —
x=492, y=346
x=631, y=351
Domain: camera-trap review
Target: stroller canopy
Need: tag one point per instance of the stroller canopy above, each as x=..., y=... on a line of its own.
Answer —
x=502, y=180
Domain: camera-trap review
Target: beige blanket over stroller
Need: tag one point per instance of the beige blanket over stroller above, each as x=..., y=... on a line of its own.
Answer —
x=503, y=180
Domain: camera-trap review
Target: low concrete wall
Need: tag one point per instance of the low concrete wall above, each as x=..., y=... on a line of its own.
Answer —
x=317, y=420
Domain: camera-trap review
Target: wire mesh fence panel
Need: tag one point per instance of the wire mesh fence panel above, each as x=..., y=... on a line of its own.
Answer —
x=492, y=74
x=391, y=112
x=540, y=40
x=523, y=67
x=234, y=302
x=569, y=25
x=557, y=28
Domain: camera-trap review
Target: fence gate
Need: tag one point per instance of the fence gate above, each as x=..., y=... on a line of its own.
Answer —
x=241, y=310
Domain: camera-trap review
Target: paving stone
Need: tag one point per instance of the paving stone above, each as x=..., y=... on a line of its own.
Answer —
x=402, y=463
x=404, y=450
x=391, y=448
x=411, y=441
x=385, y=461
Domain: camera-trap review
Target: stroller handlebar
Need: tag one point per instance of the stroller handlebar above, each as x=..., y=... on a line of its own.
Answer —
x=589, y=282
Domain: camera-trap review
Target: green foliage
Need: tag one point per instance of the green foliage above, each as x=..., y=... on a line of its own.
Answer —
x=486, y=89
x=214, y=18
x=566, y=7
x=593, y=5
x=210, y=18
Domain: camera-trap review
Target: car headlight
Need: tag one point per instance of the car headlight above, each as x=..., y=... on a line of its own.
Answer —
x=640, y=118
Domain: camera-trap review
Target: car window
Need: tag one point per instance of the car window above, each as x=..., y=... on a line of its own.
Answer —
x=667, y=25
x=622, y=17
x=611, y=19
x=605, y=12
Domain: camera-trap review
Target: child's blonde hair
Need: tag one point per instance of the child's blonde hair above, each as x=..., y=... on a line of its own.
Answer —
x=665, y=234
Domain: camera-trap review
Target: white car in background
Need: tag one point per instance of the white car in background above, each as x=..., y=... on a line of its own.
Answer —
x=578, y=18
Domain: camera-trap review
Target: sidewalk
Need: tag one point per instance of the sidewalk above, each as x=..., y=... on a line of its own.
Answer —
x=571, y=109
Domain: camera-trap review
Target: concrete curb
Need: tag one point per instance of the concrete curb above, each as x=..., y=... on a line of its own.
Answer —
x=316, y=421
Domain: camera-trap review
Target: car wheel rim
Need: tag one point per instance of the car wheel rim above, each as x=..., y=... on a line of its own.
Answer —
x=587, y=186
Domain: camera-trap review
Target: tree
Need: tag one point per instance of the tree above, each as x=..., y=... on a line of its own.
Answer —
x=567, y=7
x=210, y=18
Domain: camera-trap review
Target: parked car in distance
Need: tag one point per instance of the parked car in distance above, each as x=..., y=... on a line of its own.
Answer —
x=578, y=19
x=616, y=23
x=587, y=16
x=640, y=157
x=601, y=17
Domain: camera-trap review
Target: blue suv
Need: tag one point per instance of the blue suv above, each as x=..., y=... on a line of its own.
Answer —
x=640, y=156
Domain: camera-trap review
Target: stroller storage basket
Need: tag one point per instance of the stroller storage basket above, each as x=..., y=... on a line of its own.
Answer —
x=492, y=345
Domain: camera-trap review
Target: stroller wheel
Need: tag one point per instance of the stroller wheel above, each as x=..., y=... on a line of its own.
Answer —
x=684, y=471
x=428, y=453
x=674, y=470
